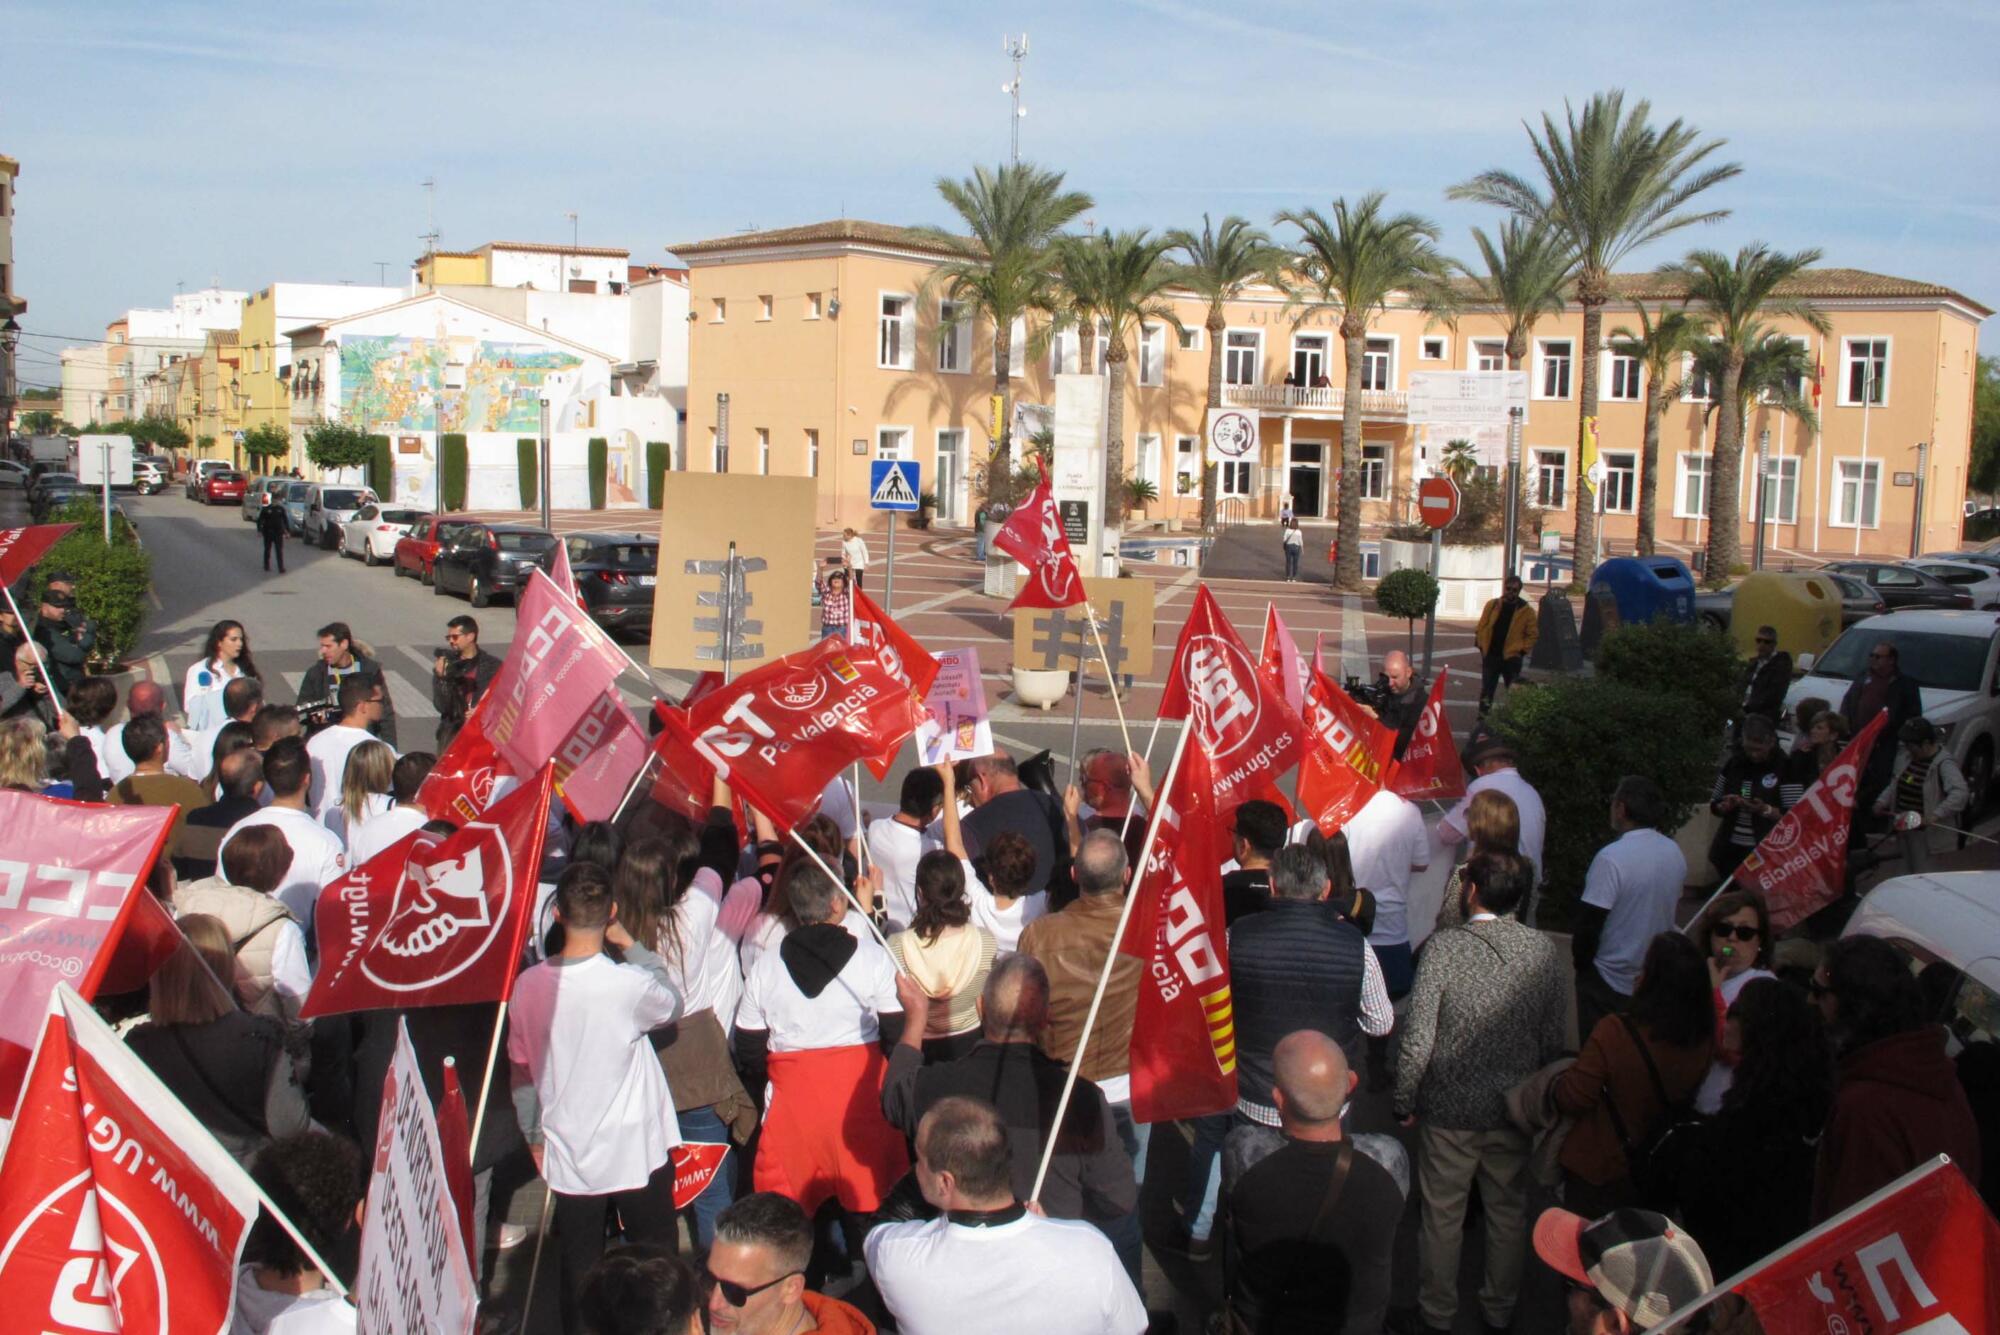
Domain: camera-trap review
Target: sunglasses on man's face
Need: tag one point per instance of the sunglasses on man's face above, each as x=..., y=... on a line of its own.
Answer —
x=738, y=1294
x=1742, y=931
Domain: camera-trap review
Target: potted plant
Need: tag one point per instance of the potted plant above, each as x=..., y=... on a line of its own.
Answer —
x=1139, y=493
x=926, y=510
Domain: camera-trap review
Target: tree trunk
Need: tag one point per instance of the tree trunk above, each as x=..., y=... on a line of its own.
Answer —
x=999, y=474
x=1592, y=297
x=1347, y=569
x=1114, y=440
x=1210, y=472
x=1725, y=536
x=1649, y=465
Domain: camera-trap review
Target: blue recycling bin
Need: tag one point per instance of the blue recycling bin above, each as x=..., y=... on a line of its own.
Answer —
x=1636, y=590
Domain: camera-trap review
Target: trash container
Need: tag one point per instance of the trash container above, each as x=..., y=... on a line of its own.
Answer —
x=1636, y=589
x=1804, y=608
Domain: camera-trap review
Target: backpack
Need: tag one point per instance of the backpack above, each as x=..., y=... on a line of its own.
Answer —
x=1649, y=1160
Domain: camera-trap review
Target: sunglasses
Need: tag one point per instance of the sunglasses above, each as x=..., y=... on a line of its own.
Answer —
x=1742, y=931
x=738, y=1294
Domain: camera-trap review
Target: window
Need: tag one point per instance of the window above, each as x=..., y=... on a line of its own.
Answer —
x=764, y=306
x=718, y=310
x=1146, y=460
x=1017, y=351
x=892, y=442
x=1552, y=379
x=1857, y=492
x=812, y=453
x=1100, y=349
x=1191, y=338
x=1434, y=348
x=953, y=334
x=1187, y=466
x=1864, y=375
x=1795, y=382
x=1374, y=472
x=1621, y=378
x=1152, y=355
x=1309, y=358
x=1691, y=486
x=1551, y=478
x=718, y=450
x=1378, y=364
x=896, y=343
x=1697, y=385
x=1242, y=349
x=764, y=451
x=1231, y=479
x=1621, y=483
x=1781, y=491
x=1489, y=354
x=815, y=305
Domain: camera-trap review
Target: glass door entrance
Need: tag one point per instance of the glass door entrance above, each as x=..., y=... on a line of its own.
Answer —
x=1305, y=478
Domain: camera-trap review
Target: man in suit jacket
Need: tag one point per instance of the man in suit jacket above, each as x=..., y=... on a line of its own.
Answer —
x=1766, y=677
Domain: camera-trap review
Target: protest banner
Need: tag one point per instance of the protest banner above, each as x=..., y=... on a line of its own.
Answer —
x=956, y=726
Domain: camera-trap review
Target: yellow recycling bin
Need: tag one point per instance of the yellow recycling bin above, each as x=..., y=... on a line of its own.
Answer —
x=1803, y=608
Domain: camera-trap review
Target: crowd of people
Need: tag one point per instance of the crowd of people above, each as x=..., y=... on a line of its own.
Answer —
x=878, y=1018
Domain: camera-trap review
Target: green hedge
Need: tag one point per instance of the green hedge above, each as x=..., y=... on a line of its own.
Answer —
x=111, y=582
x=454, y=464
x=381, y=467
x=658, y=459
x=527, y=459
x=600, y=469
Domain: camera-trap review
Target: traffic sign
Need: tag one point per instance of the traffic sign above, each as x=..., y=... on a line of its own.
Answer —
x=1437, y=501
x=892, y=484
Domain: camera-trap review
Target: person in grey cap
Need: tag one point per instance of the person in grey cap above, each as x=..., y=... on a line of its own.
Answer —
x=1929, y=790
x=1630, y=1269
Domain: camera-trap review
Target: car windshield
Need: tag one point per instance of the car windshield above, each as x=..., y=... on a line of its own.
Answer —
x=298, y=491
x=642, y=557
x=401, y=516
x=532, y=543
x=342, y=498
x=1942, y=662
x=227, y=477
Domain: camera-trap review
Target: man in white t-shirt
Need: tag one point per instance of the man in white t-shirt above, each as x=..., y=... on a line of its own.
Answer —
x=318, y=856
x=239, y=700
x=323, y=1179
x=1387, y=842
x=896, y=843
x=989, y=1264
x=1629, y=896
x=588, y=1088
x=1492, y=761
x=406, y=817
x=361, y=699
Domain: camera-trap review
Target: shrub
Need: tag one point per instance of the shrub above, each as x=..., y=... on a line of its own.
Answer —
x=658, y=455
x=527, y=461
x=1408, y=594
x=111, y=582
x=1140, y=491
x=337, y=445
x=1696, y=662
x=452, y=470
x=381, y=467
x=266, y=440
x=600, y=467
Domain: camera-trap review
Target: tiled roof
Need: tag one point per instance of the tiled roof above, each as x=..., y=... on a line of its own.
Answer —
x=611, y=252
x=1813, y=284
x=842, y=229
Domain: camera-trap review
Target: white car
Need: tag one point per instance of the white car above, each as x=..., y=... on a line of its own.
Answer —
x=149, y=476
x=374, y=530
x=13, y=475
x=1948, y=923
x=1953, y=656
x=1979, y=580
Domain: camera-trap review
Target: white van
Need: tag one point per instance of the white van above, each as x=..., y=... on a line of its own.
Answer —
x=1948, y=923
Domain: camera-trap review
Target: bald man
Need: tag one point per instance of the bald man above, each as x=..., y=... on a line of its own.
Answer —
x=1399, y=698
x=1309, y=1213
x=148, y=697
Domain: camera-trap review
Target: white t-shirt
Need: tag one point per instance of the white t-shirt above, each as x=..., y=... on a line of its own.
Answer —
x=261, y=1311
x=1527, y=804
x=1385, y=840
x=896, y=849
x=335, y=816
x=1006, y=924
x=378, y=832
x=836, y=801
x=100, y=744
x=181, y=757
x=1637, y=878
x=839, y=1017
x=1721, y=1075
x=578, y=1028
x=1050, y=1276
x=201, y=693
x=317, y=1318
x=854, y=551
x=696, y=968
x=328, y=749
x=766, y=930
x=317, y=856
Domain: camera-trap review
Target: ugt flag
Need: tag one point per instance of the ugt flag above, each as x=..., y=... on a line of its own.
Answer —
x=1801, y=864
x=1283, y=666
x=1251, y=736
x=118, y=1211
x=558, y=664
x=1033, y=535
x=901, y=657
x=1184, y=1029
x=20, y=548
x=1349, y=753
x=1430, y=767
x=430, y=921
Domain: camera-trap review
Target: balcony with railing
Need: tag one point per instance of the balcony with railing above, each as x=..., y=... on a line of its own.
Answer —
x=1375, y=403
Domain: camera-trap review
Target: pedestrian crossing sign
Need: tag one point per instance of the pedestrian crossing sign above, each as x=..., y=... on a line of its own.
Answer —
x=892, y=484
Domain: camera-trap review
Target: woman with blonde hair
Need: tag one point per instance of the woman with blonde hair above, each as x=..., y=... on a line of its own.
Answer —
x=1492, y=825
x=24, y=755
x=364, y=789
x=947, y=954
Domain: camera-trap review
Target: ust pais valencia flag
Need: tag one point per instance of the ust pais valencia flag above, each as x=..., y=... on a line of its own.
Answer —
x=118, y=1210
x=1033, y=535
x=434, y=921
x=1183, y=1028
x=780, y=734
x=1430, y=767
x=1801, y=865
x=557, y=666
x=1250, y=735
x=1349, y=753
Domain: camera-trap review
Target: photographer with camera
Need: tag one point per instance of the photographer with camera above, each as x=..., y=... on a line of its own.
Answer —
x=463, y=671
x=1397, y=698
x=341, y=657
x=65, y=635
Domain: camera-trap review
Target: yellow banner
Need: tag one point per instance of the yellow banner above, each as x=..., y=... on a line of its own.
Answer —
x=997, y=405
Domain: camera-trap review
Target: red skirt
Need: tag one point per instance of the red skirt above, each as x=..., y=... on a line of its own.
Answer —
x=824, y=1133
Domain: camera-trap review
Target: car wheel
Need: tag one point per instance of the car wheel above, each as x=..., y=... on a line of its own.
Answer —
x=1978, y=777
x=437, y=582
x=476, y=594
x=1715, y=623
x=398, y=568
x=368, y=553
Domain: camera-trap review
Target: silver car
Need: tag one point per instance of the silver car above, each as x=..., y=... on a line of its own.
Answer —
x=328, y=507
x=261, y=486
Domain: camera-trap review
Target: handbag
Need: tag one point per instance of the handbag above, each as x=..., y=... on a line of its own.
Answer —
x=1646, y=1161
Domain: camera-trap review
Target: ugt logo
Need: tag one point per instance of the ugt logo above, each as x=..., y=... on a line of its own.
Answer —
x=443, y=922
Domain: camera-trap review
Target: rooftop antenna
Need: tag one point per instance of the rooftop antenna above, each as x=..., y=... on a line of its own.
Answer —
x=382, y=272
x=430, y=236
x=1016, y=50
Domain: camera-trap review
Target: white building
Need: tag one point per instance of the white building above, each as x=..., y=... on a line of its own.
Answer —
x=86, y=382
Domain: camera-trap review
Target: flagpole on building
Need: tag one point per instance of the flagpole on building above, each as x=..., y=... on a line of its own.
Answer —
x=1110, y=961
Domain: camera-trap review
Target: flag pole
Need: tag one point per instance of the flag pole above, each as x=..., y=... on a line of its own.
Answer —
x=1110, y=680
x=535, y=1266
x=35, y=648
x=486, y=1081
x=1695, y=921
x=633, y=788
x=836, y=878
x=1110, y=962
x=1076, y=721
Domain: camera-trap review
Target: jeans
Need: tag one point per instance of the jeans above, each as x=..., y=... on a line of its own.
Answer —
x=979, y=543
x=701, y=1124
x=1292, y=561
x=646, y=1216
x=1204, y=1185
x=1493, y=671
x=1124, y=1233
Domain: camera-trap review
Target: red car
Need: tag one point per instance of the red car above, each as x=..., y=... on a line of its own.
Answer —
x=416, y=551
x=223, y=485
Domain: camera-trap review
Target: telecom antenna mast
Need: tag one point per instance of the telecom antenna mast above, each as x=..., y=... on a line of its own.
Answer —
x=1016, y=50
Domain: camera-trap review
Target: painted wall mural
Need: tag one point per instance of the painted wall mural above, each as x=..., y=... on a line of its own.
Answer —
x=389, y=382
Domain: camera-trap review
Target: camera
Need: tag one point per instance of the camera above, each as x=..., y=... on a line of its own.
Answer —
x=1375, y=694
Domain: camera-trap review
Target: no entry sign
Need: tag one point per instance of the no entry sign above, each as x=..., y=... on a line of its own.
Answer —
x=1437, y=501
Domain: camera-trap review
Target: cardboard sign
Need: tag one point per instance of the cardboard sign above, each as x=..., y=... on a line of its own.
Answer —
x=957, y=727
x=1053, y=638
x=771, y=521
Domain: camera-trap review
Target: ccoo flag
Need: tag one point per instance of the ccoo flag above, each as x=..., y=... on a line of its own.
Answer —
x=557, y=666
x=1349, y=754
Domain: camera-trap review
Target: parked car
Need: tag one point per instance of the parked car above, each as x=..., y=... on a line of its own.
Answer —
x=294, y=499
x=197, y=474
x=416, y=551
x=1857, y=600
x=1979, y=582
x=1901, y=586
x=482, y=560
x=223, y=485
x=614, y=576
x=328, y=506
x=149, y=476
x=13, y=475
x=53, y=496
x=1976, y=556
x=375, y=530
x=49, y=479
x=1953, y=656
x=1948, y=924
x=260, y=487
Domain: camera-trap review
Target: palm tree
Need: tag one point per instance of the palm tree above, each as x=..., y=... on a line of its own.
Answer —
x=1611, y=182
x=1354, y=263
x=1218, y=265
x=1527, y=273
x=1658, y=346
x=1776, y=368
x=1112, y=282
x=1459, y=461
x=1003, y=270
x=1736, y=295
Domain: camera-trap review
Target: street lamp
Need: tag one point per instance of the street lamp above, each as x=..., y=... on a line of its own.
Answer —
x=10, y=341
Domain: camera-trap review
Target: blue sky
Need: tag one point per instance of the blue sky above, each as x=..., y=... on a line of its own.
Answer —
x=168, y=142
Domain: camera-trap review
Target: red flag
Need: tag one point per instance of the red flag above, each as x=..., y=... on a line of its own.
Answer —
x=72, y=874
x=460, y=785
x=558, y=664
x=600, y=758
x=779, y=734
x=1250, y=734
x=561, y=575
x=1281, y=663
x=434, y=922
x=1184, y=1030
x=683, y=781
x=149, y=939
x=1033, y=535
x=1801, y=865
x=696, y=1162
x=705, y=685
x=1430, y=767
x=20, y=548
x=1348, y=755
x=118, y=1211
x=455, y=1136
x=900, y=655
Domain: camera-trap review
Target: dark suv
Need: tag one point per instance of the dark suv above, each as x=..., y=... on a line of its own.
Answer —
x=614, y=576
x=484, y=559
